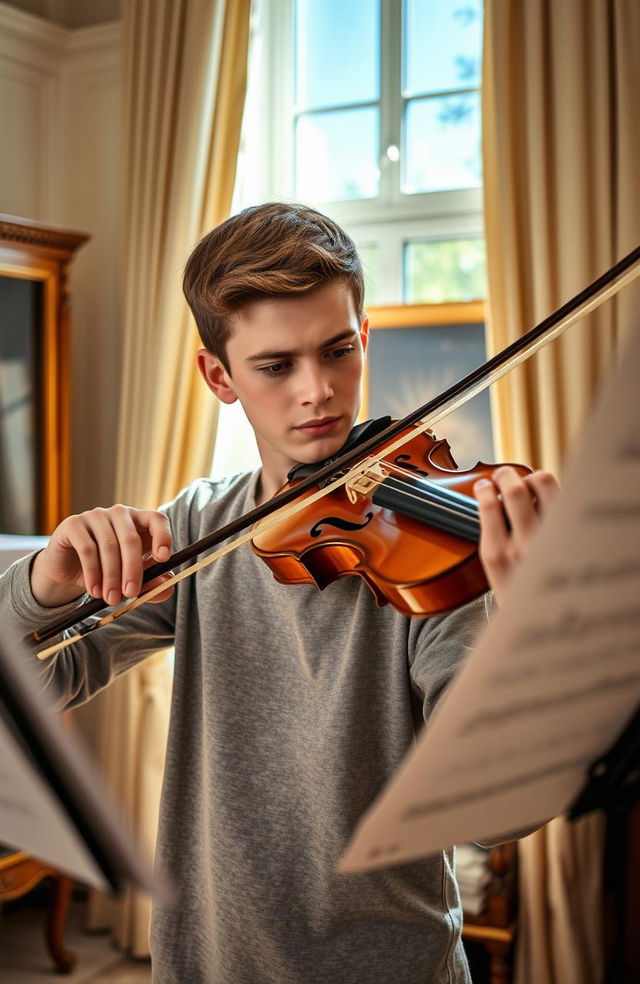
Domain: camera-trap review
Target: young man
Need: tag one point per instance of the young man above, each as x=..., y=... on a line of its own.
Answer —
x=291, y=708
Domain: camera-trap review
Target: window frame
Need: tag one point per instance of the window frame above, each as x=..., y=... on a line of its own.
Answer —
x=393, y=218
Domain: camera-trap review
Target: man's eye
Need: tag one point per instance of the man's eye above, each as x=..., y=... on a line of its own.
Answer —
x=341, y=353
x=276, y=369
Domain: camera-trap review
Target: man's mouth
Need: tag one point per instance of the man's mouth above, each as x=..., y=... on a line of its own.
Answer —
x=321, y=425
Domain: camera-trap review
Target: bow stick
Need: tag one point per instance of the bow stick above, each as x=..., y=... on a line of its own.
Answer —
x=358, y=460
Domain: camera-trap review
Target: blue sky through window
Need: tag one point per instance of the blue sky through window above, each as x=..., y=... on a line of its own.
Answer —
x=337, y=64
x=443, y=45
x=337, y=45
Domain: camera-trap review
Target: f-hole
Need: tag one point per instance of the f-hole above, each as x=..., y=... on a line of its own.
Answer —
x=339, y=524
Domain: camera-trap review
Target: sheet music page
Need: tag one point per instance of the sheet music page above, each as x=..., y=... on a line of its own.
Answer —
x=555, y=676
x=30, y=817
x=32, y=820
x=51, y=804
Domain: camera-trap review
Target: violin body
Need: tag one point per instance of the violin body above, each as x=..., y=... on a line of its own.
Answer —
x=412, y=536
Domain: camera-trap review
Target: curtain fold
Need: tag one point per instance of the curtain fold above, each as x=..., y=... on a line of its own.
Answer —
x=561, y=150
x=184, y=80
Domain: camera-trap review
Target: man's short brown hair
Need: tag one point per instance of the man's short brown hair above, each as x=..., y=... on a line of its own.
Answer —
x=272, y=250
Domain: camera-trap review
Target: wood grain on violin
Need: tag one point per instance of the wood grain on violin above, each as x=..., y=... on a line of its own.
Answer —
x=409, y=528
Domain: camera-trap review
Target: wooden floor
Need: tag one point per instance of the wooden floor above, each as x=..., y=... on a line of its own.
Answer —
x=25, y=960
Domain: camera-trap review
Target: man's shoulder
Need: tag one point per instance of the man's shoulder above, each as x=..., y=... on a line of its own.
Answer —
x=205, y=491
x=207, y=503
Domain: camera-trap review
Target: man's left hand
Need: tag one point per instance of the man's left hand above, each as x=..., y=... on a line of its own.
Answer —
x=511, y=508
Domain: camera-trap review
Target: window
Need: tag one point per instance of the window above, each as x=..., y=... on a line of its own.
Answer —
x=441, y=55
x=370, y=111
x=335, y=110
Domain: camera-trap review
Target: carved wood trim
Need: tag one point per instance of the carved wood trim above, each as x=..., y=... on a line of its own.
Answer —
x=25, y=232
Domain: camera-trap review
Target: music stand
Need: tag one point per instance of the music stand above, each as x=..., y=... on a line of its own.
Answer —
x=614, y=778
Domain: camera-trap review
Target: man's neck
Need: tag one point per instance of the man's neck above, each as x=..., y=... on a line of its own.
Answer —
x=268, y=484
x=273, y=474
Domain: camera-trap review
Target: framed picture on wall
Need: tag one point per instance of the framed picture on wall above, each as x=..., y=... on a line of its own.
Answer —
x=418, y=350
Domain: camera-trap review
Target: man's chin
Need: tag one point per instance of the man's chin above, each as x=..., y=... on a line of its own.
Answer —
x=321, y=450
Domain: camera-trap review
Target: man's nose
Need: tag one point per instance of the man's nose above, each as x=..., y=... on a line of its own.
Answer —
x=316, y=386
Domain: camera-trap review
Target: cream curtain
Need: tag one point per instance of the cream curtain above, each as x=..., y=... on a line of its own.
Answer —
x=185, y=65
x=561, y=150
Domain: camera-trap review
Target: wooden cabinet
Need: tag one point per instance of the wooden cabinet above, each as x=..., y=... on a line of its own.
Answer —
x=35, y=448
x=495, y=928
x=34, y=374
x=19, y=874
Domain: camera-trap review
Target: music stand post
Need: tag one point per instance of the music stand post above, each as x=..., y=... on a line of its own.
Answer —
x=614, y=778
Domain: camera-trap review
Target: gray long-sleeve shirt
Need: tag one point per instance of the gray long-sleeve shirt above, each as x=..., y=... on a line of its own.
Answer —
x=291, y=709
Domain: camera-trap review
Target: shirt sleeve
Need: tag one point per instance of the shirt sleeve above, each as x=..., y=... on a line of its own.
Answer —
x=438, y=646
x=87, y=666
x=84, y=668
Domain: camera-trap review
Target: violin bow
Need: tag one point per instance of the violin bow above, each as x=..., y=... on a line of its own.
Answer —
x=358, y=460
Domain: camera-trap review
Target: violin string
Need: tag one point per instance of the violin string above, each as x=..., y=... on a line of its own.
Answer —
x=435, y=505
x=449, y=519
x=466, y=529
x=436, y=498
x=466, y=503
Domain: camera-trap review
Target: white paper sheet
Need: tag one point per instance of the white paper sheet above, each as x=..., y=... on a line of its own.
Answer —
x=51, y=804
x=555, y=676
x=30, y=816
x=32, y=820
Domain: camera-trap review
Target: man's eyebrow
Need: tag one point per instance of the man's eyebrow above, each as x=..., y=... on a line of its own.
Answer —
x=343, y=336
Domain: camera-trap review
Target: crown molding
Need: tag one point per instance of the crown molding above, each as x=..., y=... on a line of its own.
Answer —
x=20, y=26
x=36, y=32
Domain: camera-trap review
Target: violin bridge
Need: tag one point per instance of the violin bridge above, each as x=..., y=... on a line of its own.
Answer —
x=366, y=482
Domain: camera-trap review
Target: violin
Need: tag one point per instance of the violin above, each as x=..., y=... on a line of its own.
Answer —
x=408, y=526
x=418, y=488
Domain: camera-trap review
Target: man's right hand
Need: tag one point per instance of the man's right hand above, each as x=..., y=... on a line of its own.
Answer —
x=102, y=552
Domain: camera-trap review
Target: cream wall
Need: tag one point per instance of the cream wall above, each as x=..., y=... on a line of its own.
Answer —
x=60, y=162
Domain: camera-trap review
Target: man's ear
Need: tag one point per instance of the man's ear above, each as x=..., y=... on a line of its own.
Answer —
x=364, y=334
x=216, y=376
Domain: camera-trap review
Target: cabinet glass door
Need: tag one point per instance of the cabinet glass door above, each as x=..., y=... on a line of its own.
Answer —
x=21, y=314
